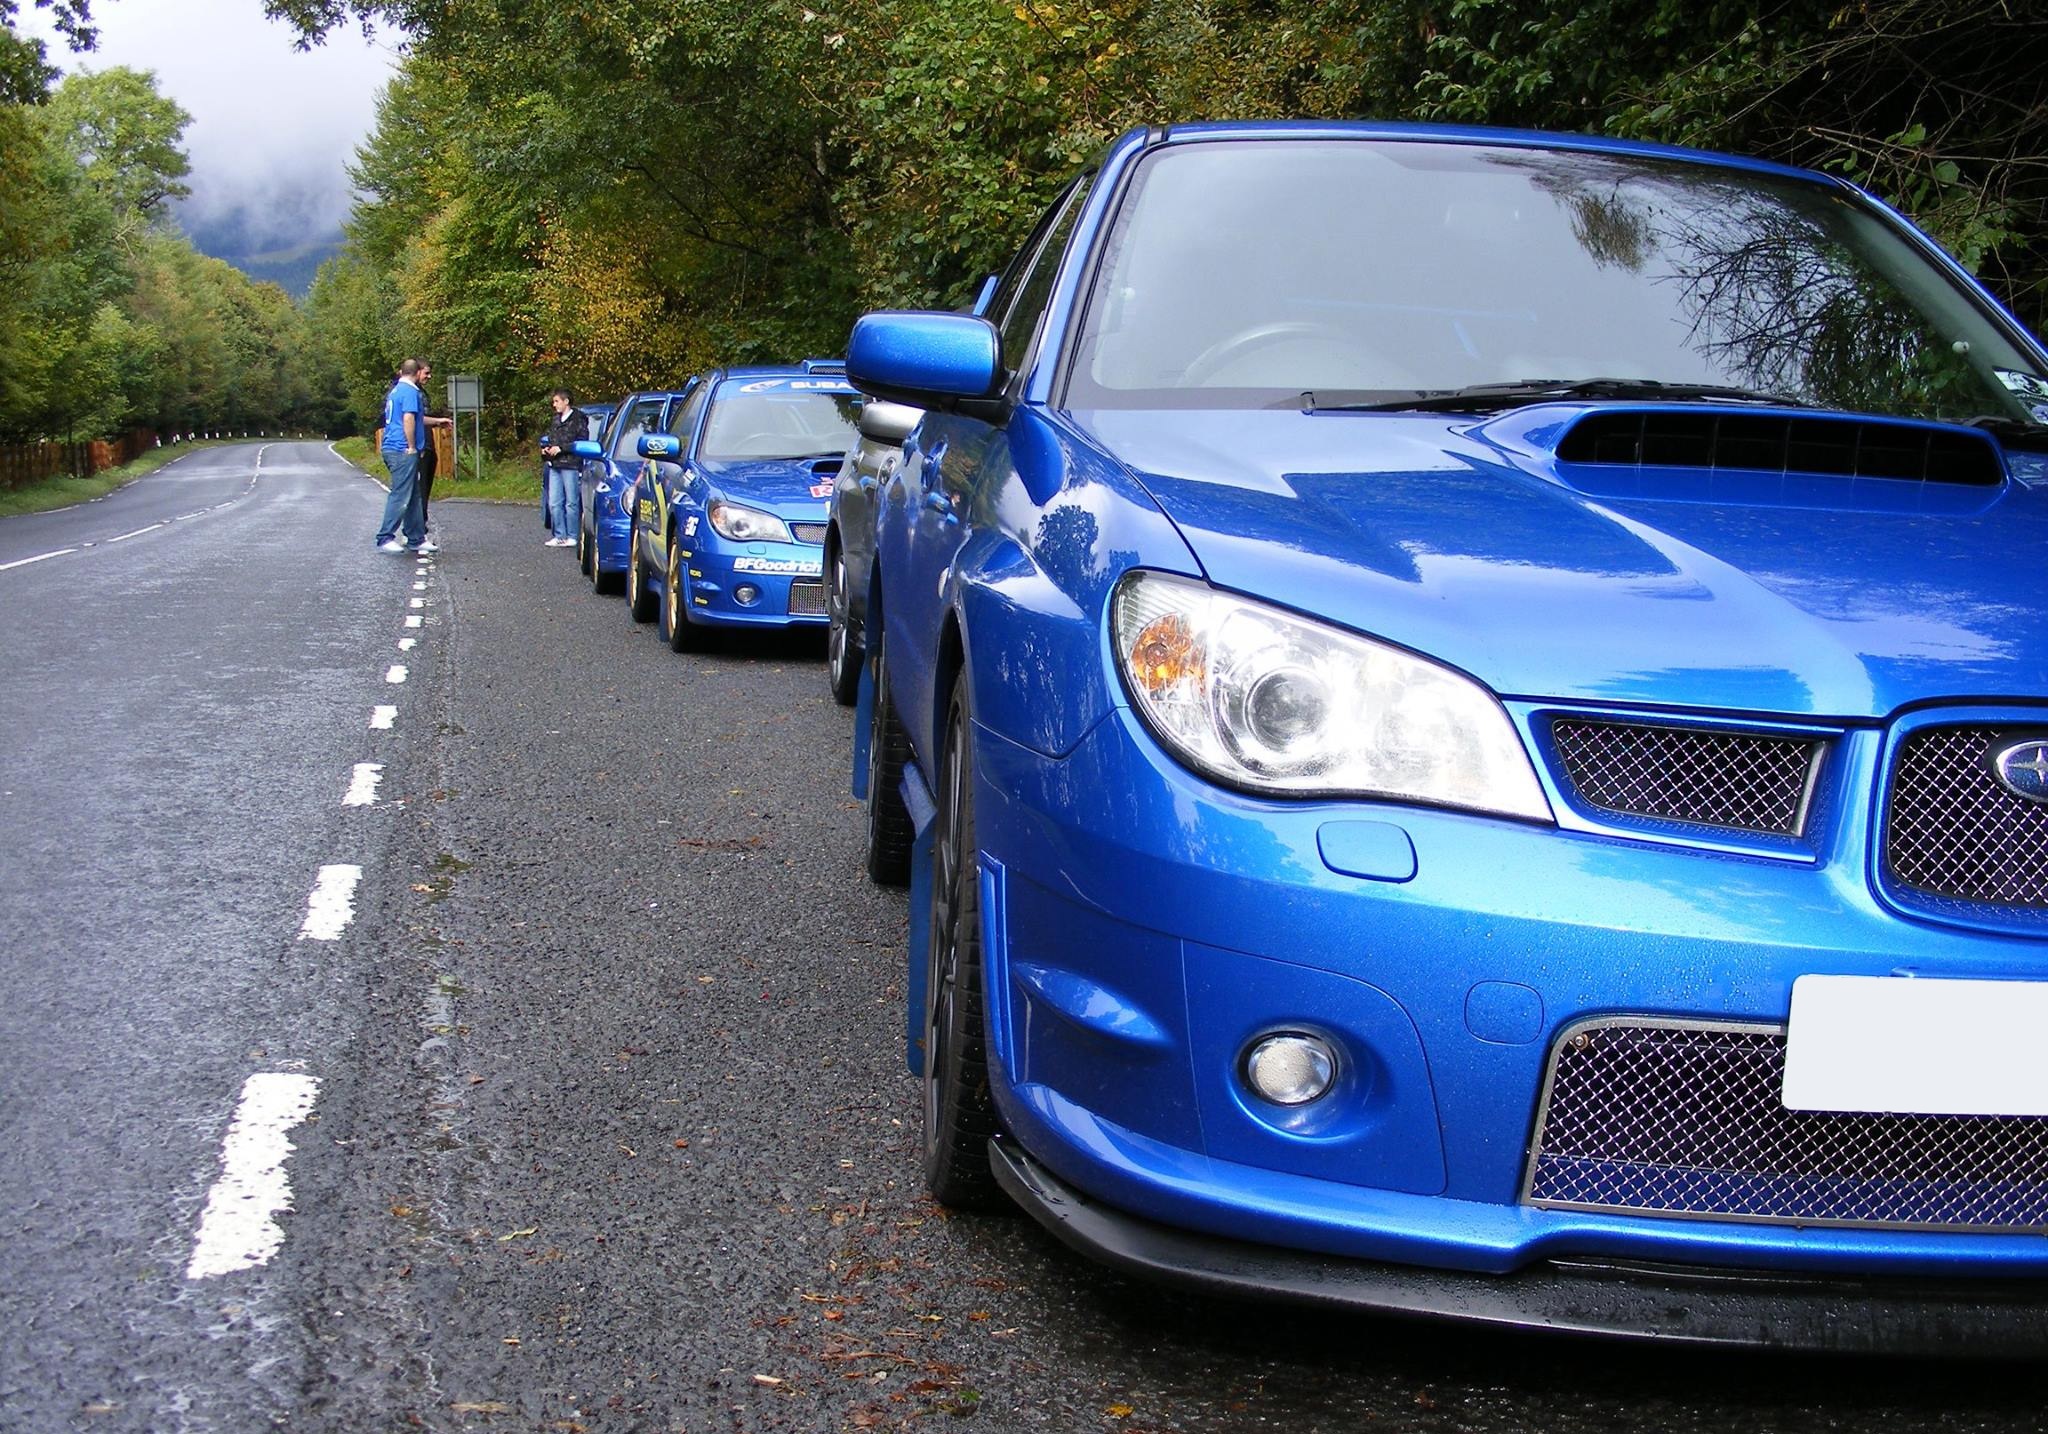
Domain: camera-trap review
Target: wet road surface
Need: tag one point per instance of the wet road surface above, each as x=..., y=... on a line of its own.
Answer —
x=612, y=1129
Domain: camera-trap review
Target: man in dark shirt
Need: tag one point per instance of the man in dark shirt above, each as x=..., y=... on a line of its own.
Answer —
x=570, y=426
x=430, y=458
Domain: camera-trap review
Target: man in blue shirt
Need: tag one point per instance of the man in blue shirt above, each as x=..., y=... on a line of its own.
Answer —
x=405, y=429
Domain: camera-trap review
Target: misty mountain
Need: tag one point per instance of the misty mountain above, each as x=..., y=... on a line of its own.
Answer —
x=281, y=239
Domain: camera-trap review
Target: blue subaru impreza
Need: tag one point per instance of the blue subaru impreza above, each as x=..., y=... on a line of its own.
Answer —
x=729, y=522
x=1467, y=716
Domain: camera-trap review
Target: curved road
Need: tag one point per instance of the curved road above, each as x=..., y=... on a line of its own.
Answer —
x=591, y=1115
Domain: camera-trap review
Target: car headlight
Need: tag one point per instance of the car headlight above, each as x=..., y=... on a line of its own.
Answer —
x=1260, y=698
x=747, y=525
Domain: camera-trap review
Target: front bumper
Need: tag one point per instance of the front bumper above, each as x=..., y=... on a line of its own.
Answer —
x=1984, y=1319
x=773, y=585
x=1142, y=927
x=614, y=530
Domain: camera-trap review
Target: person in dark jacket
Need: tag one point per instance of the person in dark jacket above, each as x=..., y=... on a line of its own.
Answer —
x=570, y=426
x=430, y=460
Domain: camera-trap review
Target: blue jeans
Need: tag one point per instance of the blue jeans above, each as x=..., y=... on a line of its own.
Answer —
x=564, y=516
x=403, y=511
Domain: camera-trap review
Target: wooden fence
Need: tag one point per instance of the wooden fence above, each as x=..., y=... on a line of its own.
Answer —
x=24, y=463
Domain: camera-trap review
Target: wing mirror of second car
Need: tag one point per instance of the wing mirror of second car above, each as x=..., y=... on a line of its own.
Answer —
x=888, y=423
x=659, y=445
x=584, y=448
x=928, y=359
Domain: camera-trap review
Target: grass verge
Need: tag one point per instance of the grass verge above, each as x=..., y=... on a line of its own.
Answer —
x=63, y=492
x=504, y=480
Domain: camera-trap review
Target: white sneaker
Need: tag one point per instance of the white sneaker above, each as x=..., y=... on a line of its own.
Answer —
x=391, y=545
x=428, y=545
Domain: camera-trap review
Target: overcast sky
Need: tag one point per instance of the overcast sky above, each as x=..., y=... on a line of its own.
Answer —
x=273, y=131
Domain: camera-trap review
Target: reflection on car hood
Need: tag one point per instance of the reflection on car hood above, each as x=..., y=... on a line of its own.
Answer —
x=1833, y=597
x=782, y=485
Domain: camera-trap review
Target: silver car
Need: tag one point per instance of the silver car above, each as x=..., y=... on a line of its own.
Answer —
x=850, y=538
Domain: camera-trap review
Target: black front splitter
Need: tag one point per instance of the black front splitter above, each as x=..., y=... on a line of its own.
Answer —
x=1978, y=1319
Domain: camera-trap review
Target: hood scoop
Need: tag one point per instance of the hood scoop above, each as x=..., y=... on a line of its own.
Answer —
x=1777, y=443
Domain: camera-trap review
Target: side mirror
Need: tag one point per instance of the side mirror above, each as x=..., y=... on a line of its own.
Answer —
x=927, y=359
x=584, y=448
x=659, y=445
x=888, y=422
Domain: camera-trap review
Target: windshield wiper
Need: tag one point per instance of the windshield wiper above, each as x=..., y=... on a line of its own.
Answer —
x=2012, y=432
x=1491, y=397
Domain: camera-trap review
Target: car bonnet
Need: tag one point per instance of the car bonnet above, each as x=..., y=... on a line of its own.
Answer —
x=1473, y=543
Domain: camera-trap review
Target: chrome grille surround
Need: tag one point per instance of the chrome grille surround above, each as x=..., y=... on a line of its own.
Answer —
x=807, y=599
x=1953, y=832
x=1744, y=781
x=812, y=533
x=1683, y=1119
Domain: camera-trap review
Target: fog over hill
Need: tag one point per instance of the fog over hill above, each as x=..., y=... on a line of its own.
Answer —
x=280, y=238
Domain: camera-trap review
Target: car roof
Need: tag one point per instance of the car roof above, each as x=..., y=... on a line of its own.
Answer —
x=1210, y=131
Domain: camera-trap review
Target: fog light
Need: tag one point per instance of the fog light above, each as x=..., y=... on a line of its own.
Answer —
x=746, y=594
x=1291, y=1069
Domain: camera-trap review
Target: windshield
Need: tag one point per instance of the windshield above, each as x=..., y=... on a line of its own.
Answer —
x=782, y=418
x=1248, y=273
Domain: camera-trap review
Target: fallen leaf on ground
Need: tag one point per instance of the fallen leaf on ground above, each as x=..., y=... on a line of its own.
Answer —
x=516, y=1234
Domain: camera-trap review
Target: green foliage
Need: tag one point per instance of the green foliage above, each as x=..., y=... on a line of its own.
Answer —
x=123, y=136
x=107, y=320
x=612, y=193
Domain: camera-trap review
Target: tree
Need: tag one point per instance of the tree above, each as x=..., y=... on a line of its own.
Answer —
x=124, y=137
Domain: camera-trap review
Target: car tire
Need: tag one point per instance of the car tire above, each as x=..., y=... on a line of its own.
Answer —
x=890, y=832
x=583, y=549
x=682, y=634
x=959, y=1110
x=640, y=603
x=842, y=651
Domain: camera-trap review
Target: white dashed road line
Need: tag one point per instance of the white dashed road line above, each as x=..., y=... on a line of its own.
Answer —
x=332, y=905
x=381, y=718
x=38, y=558
x=237, y=1231
x=140, y=531
x=414, y=620
x=362, y=785
x=396, y=674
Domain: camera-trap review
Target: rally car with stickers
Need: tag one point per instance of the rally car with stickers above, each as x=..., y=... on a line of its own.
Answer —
x=729, y=515
x=611, y=461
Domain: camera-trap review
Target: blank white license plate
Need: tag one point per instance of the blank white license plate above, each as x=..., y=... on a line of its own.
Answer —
x=1919, y=1046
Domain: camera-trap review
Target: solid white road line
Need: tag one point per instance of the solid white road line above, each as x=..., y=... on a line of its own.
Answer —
x=362, y=786
x=381, y=718
x=237, y=1231
x=38, y=558
x=396, y=674
x=332, y=905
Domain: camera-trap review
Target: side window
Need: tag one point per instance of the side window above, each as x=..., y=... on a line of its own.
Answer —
x=682, y=420
x=644, y=415
x=1020, y=320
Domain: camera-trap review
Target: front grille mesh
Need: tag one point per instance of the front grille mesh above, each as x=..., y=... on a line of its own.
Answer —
x=1955, y=831
x=1686, y=1120
x=1746, y=781
x=812, y=533
x=806, y=599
